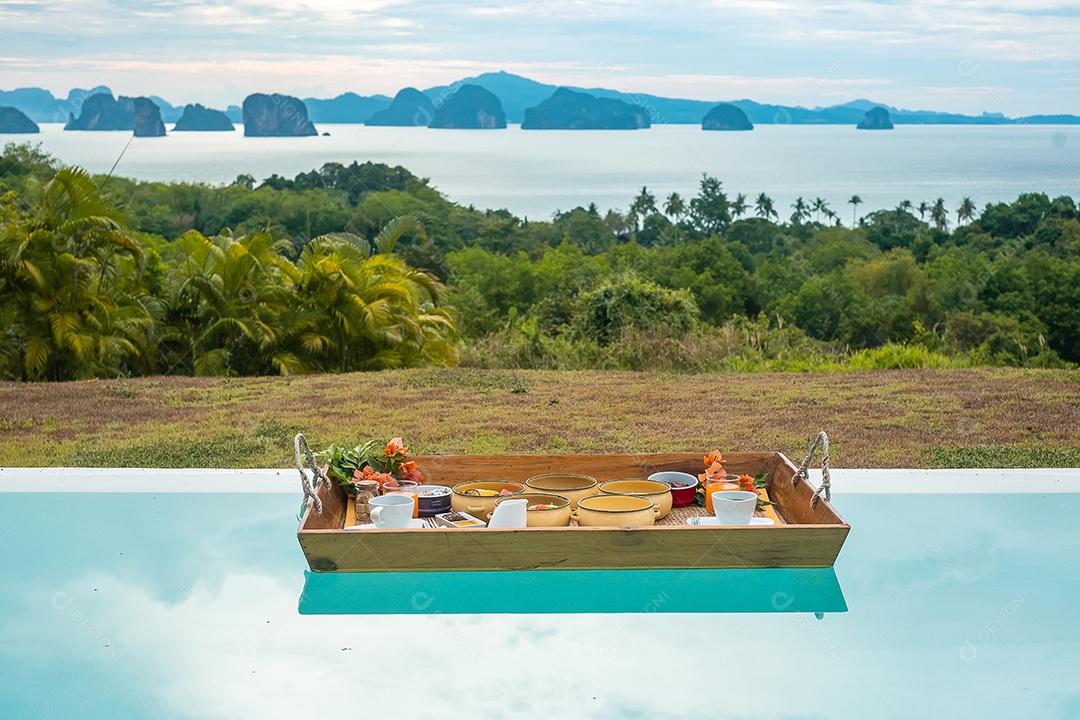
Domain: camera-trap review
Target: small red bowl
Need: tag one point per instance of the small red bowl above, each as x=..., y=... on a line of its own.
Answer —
x=680, y=496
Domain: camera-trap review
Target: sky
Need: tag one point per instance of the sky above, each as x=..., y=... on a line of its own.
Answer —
x=1017, y=57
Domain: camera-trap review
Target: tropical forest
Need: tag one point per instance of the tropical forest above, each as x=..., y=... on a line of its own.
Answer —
x=367, y=266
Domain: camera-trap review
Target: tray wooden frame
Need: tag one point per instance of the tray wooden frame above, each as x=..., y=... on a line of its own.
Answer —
x=810, y=535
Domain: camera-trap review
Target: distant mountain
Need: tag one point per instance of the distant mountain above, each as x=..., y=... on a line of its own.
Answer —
x=276, y=116
x=470, y=108
x=515, y=92
x=572, y=110
x=519, y=93
x=726, y=116
x=169, y=113
x=14, y=121
x=346, y=108
x=40, y=105
x=410, y=108
x=876, y=118
x=197, y=118
x=147, y=115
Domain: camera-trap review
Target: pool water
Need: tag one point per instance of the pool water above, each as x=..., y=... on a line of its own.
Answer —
x=198, y=605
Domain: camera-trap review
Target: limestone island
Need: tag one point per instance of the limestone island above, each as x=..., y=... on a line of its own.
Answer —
x=103, y=112
x=14, y=121
x=726, y=116
x=197, y=118
x=409, y=108
x=876, y=119
x=571, y=110
x=276, y=116
x=470, y=108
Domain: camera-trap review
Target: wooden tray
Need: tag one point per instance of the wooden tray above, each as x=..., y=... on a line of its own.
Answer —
x=809, y=535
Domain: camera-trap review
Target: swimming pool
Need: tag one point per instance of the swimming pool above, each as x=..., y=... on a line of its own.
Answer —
x=954, y=596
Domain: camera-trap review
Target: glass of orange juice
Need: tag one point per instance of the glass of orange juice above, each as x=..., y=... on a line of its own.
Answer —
x=408, y=488
x=725, y=482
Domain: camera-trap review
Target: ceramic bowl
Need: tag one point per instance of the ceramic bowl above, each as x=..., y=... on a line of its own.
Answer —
x=658, y=492
x=557, y=516
x=572, y=487
x=680, y=496
x=433, y=499
x=619, y=510
x=477, y=497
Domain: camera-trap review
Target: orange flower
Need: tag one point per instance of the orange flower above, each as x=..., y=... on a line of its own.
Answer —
x=713, y=457
x=716, y=471
x=409, y=471
x=386, y=480
x=396, y=447
x=747, y=483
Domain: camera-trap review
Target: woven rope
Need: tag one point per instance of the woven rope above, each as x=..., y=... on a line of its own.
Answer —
x=303, y=452
x=825, y=488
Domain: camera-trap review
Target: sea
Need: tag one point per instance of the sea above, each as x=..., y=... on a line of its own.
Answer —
x=534, y=174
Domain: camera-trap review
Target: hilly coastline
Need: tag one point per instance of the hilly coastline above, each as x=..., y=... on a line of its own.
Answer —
x=570, y=110
x=516, y=95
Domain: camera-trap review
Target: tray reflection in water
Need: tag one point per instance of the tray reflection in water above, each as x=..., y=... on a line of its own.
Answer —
x=573, y=591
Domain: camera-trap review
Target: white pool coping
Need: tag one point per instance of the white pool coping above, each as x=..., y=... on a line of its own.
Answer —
x=199, y=480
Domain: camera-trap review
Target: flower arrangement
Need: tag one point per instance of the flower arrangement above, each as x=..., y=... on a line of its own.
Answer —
x=370, y=461
x=716, y=472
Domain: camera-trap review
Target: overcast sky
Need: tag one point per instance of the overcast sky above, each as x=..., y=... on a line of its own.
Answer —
x=1019, y=57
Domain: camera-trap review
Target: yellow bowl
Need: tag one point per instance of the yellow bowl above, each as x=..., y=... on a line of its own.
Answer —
x=558, y=516
x=620, y=510
x=480, y=505
x=572, y=487
x=658, y=492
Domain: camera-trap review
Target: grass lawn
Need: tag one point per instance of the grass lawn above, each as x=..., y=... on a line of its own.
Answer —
x=894, y=418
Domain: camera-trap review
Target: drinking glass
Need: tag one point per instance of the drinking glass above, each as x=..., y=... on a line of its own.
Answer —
x=727, y=482
x=408, y=488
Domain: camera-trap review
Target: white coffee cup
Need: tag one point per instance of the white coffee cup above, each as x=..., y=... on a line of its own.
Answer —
x=391, y=511
x=734, y=507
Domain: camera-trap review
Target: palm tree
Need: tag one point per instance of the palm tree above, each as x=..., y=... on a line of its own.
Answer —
x=643, y=206
x=834, y=216
x=855, y=202
x=764, y=208
x=738, y=206
x=820, y=206
x=74, y=305
x=924, y=207
x=369, y=311
x=227, y=305
x=674, y=206
x=802, y=211
x=966, y=211
x=710, y=209
x=240, y=306
x=939, y=216
x=906, y=206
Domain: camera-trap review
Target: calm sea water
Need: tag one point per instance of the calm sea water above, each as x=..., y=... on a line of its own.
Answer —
x=535, y=173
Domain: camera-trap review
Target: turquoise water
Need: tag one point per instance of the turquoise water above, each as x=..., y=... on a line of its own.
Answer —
x=190, y=606
x=535, y=173
x=571, y=591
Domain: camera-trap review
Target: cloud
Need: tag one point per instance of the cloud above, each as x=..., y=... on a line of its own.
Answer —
x=163, y=46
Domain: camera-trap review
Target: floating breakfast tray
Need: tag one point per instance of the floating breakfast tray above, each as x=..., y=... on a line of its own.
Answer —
x=809, y=532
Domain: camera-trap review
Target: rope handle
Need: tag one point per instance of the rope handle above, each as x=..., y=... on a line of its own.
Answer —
x=825, y=488
x=303, y=452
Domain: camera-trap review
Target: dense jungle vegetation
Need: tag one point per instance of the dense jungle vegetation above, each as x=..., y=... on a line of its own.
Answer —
x=367, y=266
